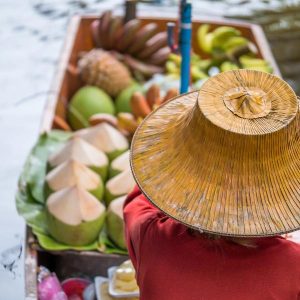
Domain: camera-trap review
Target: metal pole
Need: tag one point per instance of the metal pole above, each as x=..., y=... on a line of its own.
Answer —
x=185, y=45
x=130, y=10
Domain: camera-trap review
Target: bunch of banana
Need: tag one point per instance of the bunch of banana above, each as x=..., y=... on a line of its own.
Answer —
x=141, y=47
x=230, y=50
x=223, y=39
x=247, y=62
x=199, y=67
x=253, y=63
x=224, y=43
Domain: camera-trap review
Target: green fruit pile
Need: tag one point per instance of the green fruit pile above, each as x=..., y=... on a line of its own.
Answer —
x=122, y=102
x=74, y=188
x=91, y=100
x=228, y=50
x=199, y=67
x=87, y=101
x=224, y=39
x=116, y=190
x=81, y=183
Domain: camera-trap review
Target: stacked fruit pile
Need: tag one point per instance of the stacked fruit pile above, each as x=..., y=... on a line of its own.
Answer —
x=224, y=49
x=129, y=73
x=80, y=183
x=73, y=188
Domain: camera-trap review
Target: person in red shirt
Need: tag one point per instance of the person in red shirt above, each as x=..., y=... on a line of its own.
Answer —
x=173, y=262
x=218, y=183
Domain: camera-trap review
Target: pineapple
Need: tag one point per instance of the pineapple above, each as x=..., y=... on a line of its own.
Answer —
x=97, y=67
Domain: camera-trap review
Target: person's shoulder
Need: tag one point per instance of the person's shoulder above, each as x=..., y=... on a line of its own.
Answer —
x=290, y=248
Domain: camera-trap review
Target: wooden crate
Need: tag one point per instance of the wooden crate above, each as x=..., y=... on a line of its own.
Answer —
x=65, y=83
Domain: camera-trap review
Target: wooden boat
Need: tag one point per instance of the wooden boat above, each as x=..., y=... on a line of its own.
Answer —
x=79, y=38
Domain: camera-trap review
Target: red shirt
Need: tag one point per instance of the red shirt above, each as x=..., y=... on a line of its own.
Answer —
x=173, y=264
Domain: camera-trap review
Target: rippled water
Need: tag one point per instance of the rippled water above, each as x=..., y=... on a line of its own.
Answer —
x=31, y=36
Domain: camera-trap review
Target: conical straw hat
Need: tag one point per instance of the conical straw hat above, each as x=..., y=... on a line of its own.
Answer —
x=226, y=159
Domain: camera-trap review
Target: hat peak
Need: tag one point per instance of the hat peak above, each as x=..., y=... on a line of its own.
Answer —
x=247, y=103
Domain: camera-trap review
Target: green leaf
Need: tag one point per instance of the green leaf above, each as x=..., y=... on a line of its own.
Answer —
x=107, y=246
x=27, y=208
x=48, y=243
x=59, y=135
x=36, y=165
x=30, y=200
x=29, y=196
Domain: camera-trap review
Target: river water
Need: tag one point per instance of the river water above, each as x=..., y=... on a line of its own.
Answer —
x=31, y=36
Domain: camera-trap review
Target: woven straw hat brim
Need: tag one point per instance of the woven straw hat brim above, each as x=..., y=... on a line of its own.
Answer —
x=219, y=173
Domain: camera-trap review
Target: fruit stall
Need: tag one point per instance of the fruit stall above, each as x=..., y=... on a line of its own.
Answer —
x=112, y=74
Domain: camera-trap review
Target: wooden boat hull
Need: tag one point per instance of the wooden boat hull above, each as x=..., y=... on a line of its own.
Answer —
x=78, y=39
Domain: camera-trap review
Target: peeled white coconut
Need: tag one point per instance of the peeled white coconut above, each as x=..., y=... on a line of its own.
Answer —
x=78, y=149
x=115, y=222
x=75, y=217
x=119, y=164
x=72, y=173
x=106, y=138
x=119, y=185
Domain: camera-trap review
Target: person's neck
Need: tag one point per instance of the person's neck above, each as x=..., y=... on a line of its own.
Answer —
x=246, y=242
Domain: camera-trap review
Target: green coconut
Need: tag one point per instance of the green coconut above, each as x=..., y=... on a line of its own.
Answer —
x=87, y=101
x=122, y=102
x=72, y=173
x=74, y=216
x=115, y=222
x=120, y=185
x=105, y=138
x=81, y=151
x=119, y=164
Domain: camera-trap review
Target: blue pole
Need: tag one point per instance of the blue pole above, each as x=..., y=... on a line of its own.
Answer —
x=185, y=45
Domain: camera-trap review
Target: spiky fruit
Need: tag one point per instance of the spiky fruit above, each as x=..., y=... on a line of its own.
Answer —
x=86, y=102
x=115, y=222
x=99, y=68
x=119, y=164
x=75, y=217
x=106, y=138
x=81, y=151
x=72, y=173
x=119, y=185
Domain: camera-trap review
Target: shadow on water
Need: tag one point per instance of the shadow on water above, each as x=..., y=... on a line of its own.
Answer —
x=62, y=9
